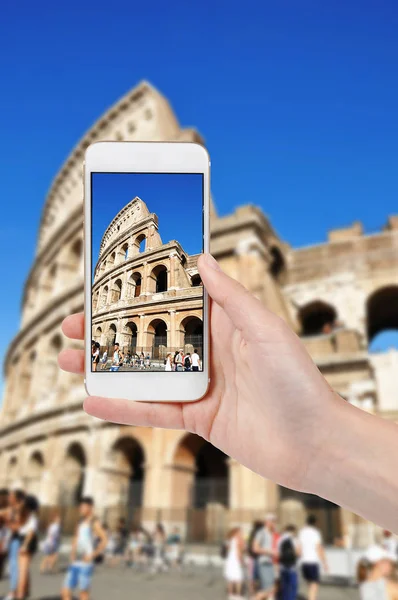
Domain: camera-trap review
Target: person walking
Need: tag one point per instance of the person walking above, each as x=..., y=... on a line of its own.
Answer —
x=95, y=355
x=263, y=547
x=178, y=360
x=51, y=544
x=104, y=360
x=84, y=551
x=13, y=518
x=233, y=568
x=253, y=556
x=288, y=554
x=159, y=542
x=312, y=556
x=4, y=531
x=377, y=583
x=116, y=358
x=187, y=362
x=28, y=538
x=195, y=361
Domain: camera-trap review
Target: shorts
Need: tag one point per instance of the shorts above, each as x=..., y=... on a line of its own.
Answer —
x=51, y=548
x=79, y=576
x=195, y=368
x=311, y=572
x=266, y=575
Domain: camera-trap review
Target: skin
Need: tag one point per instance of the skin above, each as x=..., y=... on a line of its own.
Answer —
x=384, y=570
x=270, y=408
x=86, y=512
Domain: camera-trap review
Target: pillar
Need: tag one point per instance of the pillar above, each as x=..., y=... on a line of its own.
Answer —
x=171, y=283
x=172, y=341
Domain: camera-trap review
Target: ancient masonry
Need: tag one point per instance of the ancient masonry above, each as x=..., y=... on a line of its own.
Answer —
x=148, y=301
x=337, y=296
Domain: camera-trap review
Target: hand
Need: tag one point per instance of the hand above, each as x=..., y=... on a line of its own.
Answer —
x=88, y=558
x=23, y=550
x=268, y=406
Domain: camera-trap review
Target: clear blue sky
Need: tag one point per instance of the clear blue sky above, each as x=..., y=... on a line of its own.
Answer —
x=175, y=198
x=297, y=102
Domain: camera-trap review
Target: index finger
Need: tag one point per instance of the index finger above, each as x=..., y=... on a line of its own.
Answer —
x=73, y=326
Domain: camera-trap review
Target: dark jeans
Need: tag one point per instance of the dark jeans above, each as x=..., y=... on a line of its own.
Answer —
x=288, y=584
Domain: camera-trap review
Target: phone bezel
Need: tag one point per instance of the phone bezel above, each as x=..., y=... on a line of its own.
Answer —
x=145, y=157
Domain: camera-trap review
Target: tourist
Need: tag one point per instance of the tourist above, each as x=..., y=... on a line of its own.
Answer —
x=104, y=360
x=142, y=357
x=390, y=543
x=187, y=362
x=312, y=556
x=176, y=353
x=120, y=541
x=252, y=557
x=263, y=547
x=173, y=551
x=116, y=358
x=84, y=552
x=28, y=539
x=133, y=548
x=159, y=541
x=233, y=567
x=168, y=362
x=375, y=575
x=291, y=426
x=288, y=554
x=95, y=355
x=12, y=514
x=195, y=360
x=179, y=360
x=147, y=361
x=4, y=531
x=51, y=544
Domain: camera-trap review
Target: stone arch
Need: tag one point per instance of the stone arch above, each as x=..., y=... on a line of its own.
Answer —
x=12, y=473
x=97, y=334
x=76, y=253
x=116, y=292
x=317, y=317
x=140, y=244
x=157, y=338
x=277, y=265
x=132, y=333
x=110, y=261
x=26, y=375
x=296, y=506
x=104, y=296
x=126, y=477
x=34, y=472
x=54, y=348
x=157, y=280
x=111, y=337
x=95, y=300
x=74, y=468
x=200, y=474
x=382, y=311
x=134, y=285
x=191, y=330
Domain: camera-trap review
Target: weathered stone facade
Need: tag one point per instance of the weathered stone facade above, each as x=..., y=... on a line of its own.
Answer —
x=149, y=301
x=336, y=295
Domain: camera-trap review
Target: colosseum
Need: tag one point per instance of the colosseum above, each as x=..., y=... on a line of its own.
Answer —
x=147, y=295
x=337, y=295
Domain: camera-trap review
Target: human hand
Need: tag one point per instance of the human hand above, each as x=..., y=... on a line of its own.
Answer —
x=268, y=406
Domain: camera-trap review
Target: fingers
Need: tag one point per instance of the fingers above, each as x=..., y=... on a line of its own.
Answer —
x=73, y=326
x=246, y=312
x=143, y=414
x=71, y=360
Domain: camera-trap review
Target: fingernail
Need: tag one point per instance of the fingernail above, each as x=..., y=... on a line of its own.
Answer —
x=212, y=263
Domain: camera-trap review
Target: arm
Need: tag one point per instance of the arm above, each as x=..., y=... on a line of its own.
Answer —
x=73, y=548
x=322, y=556
x=103, y=539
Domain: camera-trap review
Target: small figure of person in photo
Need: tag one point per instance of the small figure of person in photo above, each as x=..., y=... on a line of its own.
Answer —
x=173, y=551
x=187, y=362
x=116, y=358
x=168, y=364
x=179, y=360
x=95, y=355
x=288, y=556
x=104, y=360
x=233, y=566
x=51, y=544
x=195, y=361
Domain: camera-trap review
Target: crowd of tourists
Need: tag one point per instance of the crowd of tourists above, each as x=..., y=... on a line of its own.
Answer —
x=179, y=361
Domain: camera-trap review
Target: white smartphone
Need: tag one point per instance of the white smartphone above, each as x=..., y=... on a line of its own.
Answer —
x=146, y=221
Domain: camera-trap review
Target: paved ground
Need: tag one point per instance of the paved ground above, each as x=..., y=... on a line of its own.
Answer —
x=193, y=583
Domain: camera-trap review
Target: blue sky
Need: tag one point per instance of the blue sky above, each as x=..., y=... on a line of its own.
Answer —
x=297, y=102
x=175, y=198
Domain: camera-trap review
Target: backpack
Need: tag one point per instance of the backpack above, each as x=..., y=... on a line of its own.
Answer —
x=187, y=362
x=287, y=554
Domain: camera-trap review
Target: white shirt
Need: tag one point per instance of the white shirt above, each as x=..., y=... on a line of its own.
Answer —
x=391, y=545
x=195, y=359
x=310, y=539
x=32, y=524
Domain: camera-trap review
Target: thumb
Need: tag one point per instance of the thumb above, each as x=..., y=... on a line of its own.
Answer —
x=246, y=312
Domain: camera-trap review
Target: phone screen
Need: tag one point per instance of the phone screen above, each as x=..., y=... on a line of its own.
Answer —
x=147, y=295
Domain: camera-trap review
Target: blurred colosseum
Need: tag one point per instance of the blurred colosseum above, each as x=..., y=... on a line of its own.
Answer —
x=337, y=296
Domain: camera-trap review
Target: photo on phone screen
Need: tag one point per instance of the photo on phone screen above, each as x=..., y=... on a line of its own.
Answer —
x=147, y=295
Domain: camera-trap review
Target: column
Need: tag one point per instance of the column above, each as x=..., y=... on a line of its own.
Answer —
x=141, y=333
x=171, y=283
x=144, y=279
x=172, y=341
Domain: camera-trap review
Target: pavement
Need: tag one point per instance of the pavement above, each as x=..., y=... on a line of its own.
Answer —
x=192, y=583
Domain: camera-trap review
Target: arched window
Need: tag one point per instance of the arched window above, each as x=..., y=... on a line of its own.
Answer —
x=134, y=285
x=116, y=291
x=382, y=318
x=111, y=338
x=72, y=484
x=76, y=252
x=157, y=329
x=97, y=334
x=128, y=458
x=95, y=300
x=316, y=318
x=111, y=259
x=141, y=243
x=125, y=251
x=278, y=265
x=104, y=296
x=192, y=329
x=132, y=332
x=158, y=279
